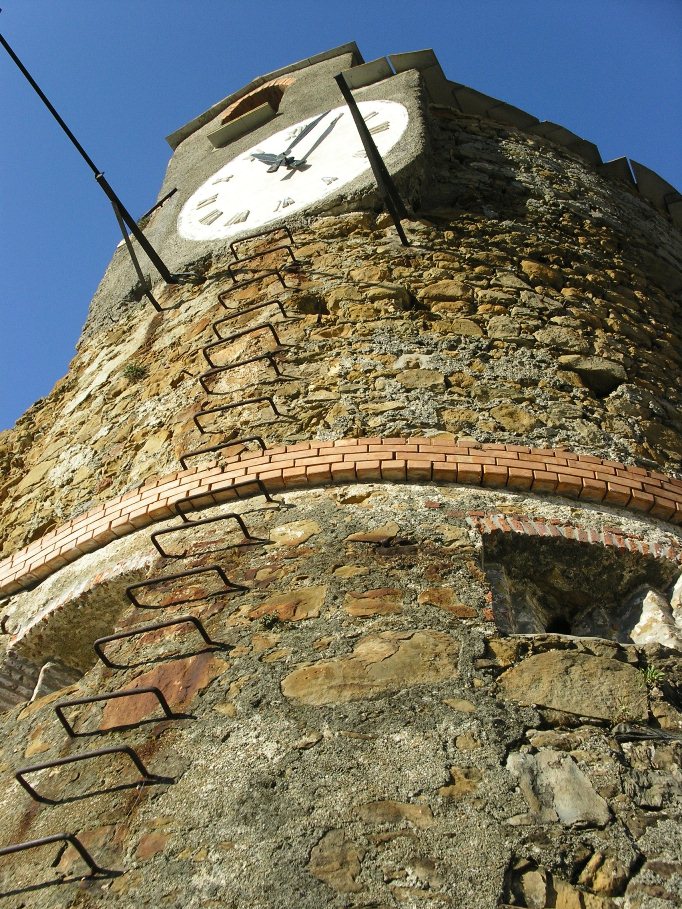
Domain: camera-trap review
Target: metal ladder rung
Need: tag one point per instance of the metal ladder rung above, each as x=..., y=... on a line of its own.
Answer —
x=169, y=578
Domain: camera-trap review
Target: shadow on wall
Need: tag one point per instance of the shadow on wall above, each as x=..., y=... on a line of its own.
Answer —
x=565, y=587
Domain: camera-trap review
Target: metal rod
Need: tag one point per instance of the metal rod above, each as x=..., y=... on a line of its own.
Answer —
x=209, y=449
x=147, y=777
x=261, y=233
x=240, y=334
x=191, y=572
x=136, y=265
x=59, y=838
x=192, y=502
x=245, y=311
x=225, y=407
x=249, y=539
x=128, y=692
x=387, y=188
x=143, y=629
x=154, y=257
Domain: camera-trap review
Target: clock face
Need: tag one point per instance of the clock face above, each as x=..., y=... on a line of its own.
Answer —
x=323, y=153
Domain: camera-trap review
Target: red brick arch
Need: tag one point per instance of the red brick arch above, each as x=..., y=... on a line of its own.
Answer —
x=319, y=463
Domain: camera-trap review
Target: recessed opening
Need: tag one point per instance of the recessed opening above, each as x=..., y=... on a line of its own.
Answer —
x=544, y=585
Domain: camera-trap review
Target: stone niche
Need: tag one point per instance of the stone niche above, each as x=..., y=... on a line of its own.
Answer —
x=544, y=585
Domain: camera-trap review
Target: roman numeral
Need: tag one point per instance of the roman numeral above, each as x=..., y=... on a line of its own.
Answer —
x=239, y=217
x=369, y=116
x=206, y=202
x=361, y=153
x=210, y=217
x=283, y=203
x=329, y=180
x=380, y=127
x=223, y=179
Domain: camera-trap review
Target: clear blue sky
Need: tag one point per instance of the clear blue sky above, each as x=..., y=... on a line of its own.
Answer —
x=125, y=73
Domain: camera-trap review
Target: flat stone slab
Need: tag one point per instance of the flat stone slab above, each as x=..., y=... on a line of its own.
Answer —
x=380, y=663
x=578, y=683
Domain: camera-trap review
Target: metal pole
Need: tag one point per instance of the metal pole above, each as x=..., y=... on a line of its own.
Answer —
x=387, y=187
x=154, y=257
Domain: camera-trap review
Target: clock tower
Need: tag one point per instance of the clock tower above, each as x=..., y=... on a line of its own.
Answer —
x=346, y=571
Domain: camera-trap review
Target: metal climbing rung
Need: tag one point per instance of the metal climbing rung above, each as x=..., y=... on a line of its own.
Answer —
x=263, y=326
x=259, y=277
x=95, y=698
x=154, y=626
x=261, y=233
x=238, y=263
x=69, y=838
x=249, y=539
x=85, y=756
x=204, y=413
x=211, y=448
x=269, y=355
x=169, y=578
x=245, y=311
x=229, y=494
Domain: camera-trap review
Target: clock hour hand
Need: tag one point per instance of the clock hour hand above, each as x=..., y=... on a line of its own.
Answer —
x=265, y=157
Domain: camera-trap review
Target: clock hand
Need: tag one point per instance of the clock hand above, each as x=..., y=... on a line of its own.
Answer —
x=265, y=157
x=284, y=157
x=304, y=132
x=294, y=164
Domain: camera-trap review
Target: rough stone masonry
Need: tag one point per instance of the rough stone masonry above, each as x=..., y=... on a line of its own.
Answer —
x=442, y=610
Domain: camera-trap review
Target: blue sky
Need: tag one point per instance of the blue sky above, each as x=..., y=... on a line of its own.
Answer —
x=125, y=74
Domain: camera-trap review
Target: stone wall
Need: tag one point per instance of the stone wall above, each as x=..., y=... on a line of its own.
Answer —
x=360, y=735
x=440, y=669
x=542, y=310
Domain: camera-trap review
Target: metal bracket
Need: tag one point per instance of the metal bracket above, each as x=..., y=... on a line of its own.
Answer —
x=268, y=355
x=249, y=539
x=223, y=407
x=240, y=334
x=191, y=572
x=211, y=448
x=154, y=626
x=235, y=487
x=84, y=756
x=129, y=692
x=69, y=838
x=261, y=233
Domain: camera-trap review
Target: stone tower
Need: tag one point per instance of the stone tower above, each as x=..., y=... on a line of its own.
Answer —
x=345, y=573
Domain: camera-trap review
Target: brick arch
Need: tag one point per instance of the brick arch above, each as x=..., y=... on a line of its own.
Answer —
x=515, y=468
x=270, y=93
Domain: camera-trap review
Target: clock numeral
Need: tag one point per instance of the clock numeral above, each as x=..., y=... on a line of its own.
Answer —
x=361, y=153
x=239, y=217
x=369, y=116
x=380, y=127
x=294, y=132
x=205, y=202
x=210, y=217
x=223, y=179
x=329, y=180
x=283, y=203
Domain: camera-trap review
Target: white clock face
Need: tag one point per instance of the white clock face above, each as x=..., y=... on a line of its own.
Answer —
x=323, y=154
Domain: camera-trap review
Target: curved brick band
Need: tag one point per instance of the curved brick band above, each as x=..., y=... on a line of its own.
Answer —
x=487, y=523
x=317, y=463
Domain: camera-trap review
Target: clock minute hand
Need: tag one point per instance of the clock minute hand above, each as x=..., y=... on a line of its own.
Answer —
x=276, y=161
x=304, y=132
x=294, y=165
x=317, y=142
